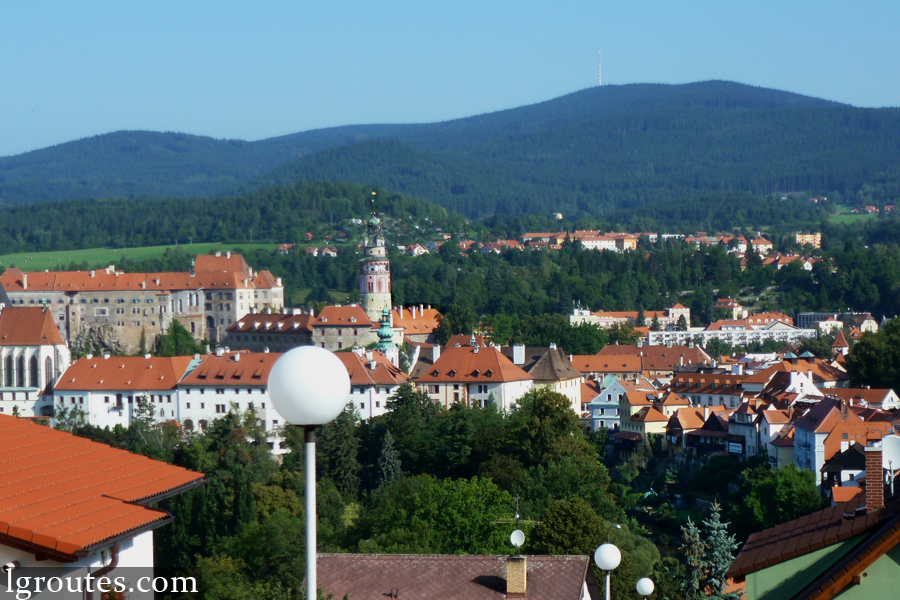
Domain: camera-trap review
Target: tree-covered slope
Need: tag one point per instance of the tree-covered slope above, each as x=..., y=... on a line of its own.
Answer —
x=595, y=151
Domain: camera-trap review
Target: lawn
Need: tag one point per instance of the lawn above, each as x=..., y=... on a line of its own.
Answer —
x=101, y=257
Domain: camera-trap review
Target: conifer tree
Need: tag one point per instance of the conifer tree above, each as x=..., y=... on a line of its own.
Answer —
x=389, y=461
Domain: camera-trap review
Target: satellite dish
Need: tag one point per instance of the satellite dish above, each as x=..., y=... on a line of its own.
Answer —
x=890, y=452
x=517, y=538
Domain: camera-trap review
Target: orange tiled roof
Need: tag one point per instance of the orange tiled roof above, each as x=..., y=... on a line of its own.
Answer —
x=594, y=363
x=342, y=316
x=124, y=373
x=238, y=369
x=468, y=364
x=425, y=321
x=60, y=494
x=28, y=326
x=385, y=373
x=224, y=263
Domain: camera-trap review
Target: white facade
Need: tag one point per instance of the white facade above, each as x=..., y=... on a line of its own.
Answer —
x=737, y=337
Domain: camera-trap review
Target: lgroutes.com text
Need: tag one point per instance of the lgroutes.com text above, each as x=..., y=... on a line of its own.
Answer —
x=25, y=586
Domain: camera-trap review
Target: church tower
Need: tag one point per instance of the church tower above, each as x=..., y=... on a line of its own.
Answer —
x=375, y=273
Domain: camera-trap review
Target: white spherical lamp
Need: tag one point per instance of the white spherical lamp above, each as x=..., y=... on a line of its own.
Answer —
x=607, y=557
x=309, y=386
x=645, y=586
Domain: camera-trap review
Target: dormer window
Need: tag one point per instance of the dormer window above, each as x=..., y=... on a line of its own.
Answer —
x=489, y=373
x=353, y=319
x=452, y=373
x=324, y=319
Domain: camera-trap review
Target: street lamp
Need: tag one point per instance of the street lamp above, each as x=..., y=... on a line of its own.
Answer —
x=645, y=587
x=309, y=387
x=607, y=556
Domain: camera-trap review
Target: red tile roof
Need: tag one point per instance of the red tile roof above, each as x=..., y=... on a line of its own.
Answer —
x=594, y=363
x=28, y=326
x=424, y=322
x=385, y=373
x=342, y=316
x=224, y=263
x=124, y=373
x=468, y=364
x=60, y=494
x=448, y=577
x=236, y=369
x=658, y=358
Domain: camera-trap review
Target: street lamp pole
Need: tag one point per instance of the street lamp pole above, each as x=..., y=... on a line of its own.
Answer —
x=311, y=534
x=309, y=387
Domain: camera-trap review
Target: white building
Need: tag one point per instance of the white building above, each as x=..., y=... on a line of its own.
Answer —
x=33, y=355
x=373, y=379
x=476, y=376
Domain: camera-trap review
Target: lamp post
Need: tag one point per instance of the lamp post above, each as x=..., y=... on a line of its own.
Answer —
x=309, y=387
x=607, y=556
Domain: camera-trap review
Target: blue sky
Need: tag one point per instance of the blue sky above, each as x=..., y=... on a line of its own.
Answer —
x=253, y=70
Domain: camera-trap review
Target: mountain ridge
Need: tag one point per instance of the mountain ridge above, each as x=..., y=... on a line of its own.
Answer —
x=584, y=152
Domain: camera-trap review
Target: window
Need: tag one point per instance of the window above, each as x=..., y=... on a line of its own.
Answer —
x=362, y=404
x=202, y=405
x=100, y=312
x=220, y=409
x=35, y=375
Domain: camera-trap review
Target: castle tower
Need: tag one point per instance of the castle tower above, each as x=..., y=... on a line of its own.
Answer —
x=375, y=273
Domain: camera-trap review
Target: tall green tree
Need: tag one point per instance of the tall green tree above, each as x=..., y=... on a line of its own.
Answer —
x=709, y=555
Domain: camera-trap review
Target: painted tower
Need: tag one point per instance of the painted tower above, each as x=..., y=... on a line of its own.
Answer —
x=375, y=273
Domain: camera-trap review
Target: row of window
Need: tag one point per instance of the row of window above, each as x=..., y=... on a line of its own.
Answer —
x=15, y=374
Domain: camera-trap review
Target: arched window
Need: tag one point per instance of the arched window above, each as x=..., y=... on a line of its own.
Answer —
x=9, y=370
x=35, y=374
x=48, y=371
x=20, y=372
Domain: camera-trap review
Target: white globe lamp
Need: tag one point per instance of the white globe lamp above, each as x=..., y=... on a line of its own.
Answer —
x=645, y=586
x=309, y=387
x=607, y=557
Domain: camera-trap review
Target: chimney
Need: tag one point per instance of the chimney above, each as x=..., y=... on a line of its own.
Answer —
x=220, y=351
x=228, y=254
x=435, y=353
x=809, y=374
x=705, y=412
x=218, y=253
x=25, y=280
x=519, y=354
x=640, y=342
x=516, y=576
x=874, y=475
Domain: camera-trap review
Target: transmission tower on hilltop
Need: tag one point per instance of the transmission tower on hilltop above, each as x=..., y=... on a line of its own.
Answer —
x=599, y=69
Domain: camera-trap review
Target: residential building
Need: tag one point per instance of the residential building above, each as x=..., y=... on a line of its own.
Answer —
x=415, y=323
x=733, y=307
x=550, y=368
x=741, y=332
x=373, y=379
x=72, y=506
x=708, y=389
x=343, y=327
x=107, y=389
x=33, y=355
x=606, y=406
x=227, y=381
x=275, y=331
x=761, y=246
x=809, y=239
x=882, y=399
x=476, y=376
x=658, y=361
x=682, y=421
x=667, y=319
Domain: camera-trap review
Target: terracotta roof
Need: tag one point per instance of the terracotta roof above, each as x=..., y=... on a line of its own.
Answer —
x=658, y=358
x=707, y=383
x=775, y=416
x=650, y=414
x=673, y=399
x=236, y=369
x=593, y=363
x=545, y=363
x=272, y=323
x=875, y=396
x=448, y=577
x=124, y=373
x=60, y=494
x=468, y=364
x=821, y=371
x=629, y=435
x=28, y=326
x=590, y=389
x=342, y=316
x=425, y=321
x=637, y=398
x=785, y=438
x=823, y=417
x=686, y=418
x=385, y=373
x=224, y=263
x=840, y=341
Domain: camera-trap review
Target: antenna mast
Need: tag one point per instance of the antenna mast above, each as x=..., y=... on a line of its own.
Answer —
x=599, y=69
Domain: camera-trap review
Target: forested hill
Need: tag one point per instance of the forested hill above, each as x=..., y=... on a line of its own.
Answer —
x=596, y=151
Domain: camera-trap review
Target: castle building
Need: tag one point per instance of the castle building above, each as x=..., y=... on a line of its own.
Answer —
x=375, y=273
